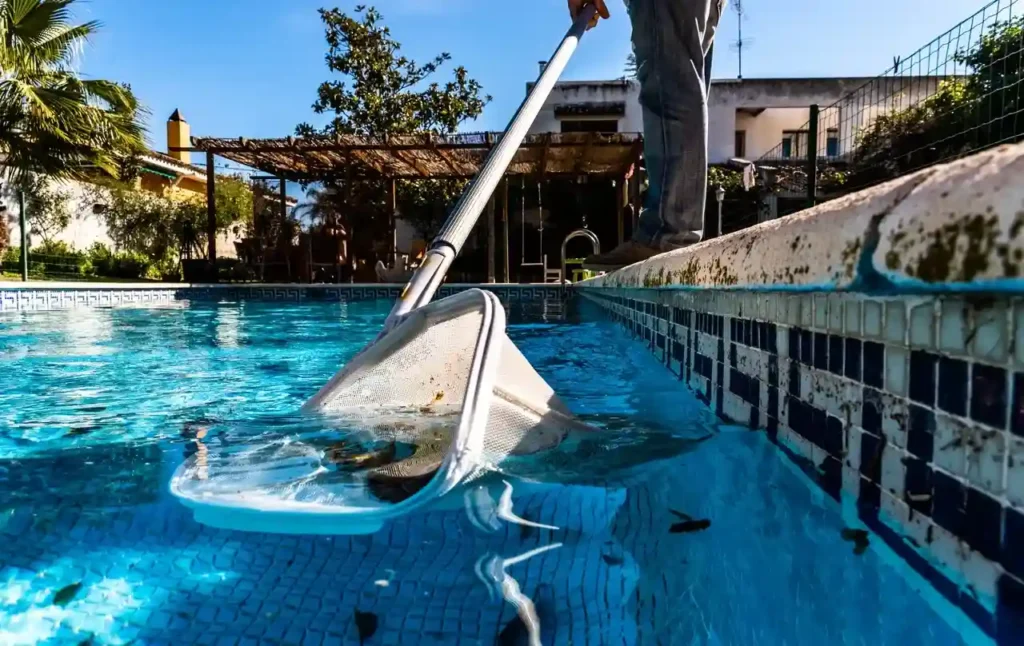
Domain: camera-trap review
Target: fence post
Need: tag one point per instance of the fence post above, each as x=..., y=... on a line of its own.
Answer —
x=23, y=223
x=812, y=157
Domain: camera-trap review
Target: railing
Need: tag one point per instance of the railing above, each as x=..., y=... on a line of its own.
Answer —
x=957, y=95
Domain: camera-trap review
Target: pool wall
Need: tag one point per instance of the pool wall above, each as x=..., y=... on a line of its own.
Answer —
x=878, y=339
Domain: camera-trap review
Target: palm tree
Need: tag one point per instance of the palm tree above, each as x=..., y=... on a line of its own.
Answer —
x=51, y=121
x=323, y=205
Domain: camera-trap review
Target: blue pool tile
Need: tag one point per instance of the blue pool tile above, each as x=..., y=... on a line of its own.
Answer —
x=948, y=506
x=953, y=386
x=984, y=521
x=917, y=485
x=1012, y=556
x=988, y=395
x=922, y=377
x=874, y=364
x=852, y=359
x=821, y=351
x=921, y=432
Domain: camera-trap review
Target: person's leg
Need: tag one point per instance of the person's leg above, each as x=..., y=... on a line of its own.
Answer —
x=672, y=41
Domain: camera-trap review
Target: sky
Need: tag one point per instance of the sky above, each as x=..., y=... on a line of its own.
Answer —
x=251, y=67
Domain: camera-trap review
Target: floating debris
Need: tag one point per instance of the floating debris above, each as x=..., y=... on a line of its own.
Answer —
x=66, y=595
x=366, y=625
x=858, y=537
x=612, y=559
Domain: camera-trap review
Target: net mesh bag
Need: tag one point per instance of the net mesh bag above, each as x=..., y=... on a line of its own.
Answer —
x=445, y=385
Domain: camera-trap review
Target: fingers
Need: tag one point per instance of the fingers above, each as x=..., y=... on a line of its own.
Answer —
x=602, y=9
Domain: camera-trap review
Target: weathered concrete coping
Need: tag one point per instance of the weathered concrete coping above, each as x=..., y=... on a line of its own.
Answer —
x=956, y=226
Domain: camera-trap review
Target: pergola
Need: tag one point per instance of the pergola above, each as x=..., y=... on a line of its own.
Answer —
x=420, y=156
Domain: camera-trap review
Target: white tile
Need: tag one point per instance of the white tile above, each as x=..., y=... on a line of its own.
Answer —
x=820, y=312
x=982, y=575
x=852, y=317
x=893, y=470
x=895, y=322
x=1015, y=473
x=806, y=311
x=853, y=447
x=897, y=365
x=986, y=459
x=950, y=440
x=835, y=313
x=952, y=327
x=947, y=549
x=793, y=306
x=922, y=325
x=851, y=481
x=854, y=405
x=991, y=339
x=735, y=408
x=782, y=340
x=895, y=419
x=872, y=319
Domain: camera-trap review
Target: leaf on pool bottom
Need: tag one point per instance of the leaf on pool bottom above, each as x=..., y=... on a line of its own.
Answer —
x=858, y=537
x=612, y=559
x=366, y=625
x=688, y=526
x=65, y=595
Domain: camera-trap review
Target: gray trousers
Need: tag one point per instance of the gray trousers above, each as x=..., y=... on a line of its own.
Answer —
x=672, y=41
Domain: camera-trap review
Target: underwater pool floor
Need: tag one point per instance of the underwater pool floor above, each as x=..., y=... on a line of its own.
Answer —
x=102, y=406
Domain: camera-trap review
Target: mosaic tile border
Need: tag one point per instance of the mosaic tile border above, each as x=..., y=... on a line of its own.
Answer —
x=64, y=297
x=913, y=408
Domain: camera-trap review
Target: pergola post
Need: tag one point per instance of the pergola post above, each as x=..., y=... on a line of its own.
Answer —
x=490, y=239
x=504, y=245
x=211, y=215
x=392, y=225
x=623, y=204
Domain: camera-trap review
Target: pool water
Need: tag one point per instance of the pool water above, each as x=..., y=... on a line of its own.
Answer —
x=99, y=407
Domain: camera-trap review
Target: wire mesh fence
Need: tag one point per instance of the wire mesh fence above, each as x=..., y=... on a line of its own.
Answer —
x=959, y=94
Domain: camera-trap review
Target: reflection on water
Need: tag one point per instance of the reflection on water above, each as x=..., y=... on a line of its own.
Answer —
x=575, y=545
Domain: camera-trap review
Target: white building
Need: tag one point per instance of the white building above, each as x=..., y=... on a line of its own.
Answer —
x=746, y=118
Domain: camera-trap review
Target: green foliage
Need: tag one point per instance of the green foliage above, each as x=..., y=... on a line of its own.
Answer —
x=127, y=265
x=51, y=121
x=48, y=206
x=964, y=115
x=384, y=92
x=233, y=197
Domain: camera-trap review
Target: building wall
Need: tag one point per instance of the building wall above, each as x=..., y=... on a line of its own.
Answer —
x=87, y=227
x=592, y=92
x=785, y=105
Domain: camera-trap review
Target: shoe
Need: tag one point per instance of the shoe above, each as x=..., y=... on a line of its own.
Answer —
x=625, y=254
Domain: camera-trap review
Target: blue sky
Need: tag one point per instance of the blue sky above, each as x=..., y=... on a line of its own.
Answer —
x=251, y=67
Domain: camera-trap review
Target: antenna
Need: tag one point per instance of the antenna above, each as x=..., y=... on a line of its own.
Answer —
x=740, y=42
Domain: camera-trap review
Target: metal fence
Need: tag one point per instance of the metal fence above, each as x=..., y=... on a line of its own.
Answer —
x=959, y=94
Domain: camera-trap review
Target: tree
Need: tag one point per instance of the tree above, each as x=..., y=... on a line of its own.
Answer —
x=384, y=92
x=48, y=207
x=51, y=121
x=631, y=68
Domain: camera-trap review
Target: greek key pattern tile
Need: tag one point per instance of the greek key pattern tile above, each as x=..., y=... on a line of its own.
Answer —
x=43, y=298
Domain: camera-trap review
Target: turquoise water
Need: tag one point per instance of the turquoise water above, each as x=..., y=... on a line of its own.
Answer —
x=98, y=408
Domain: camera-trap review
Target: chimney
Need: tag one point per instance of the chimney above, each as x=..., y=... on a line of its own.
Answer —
x=542, y=65
x=179, y=136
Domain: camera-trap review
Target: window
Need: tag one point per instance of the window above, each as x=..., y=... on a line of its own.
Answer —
x=794, y=144
x=740, y=146
x=590, y=125
x=832, y=143
x=787, y=147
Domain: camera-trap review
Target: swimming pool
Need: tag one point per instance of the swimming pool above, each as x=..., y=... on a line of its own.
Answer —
x=99, y=406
